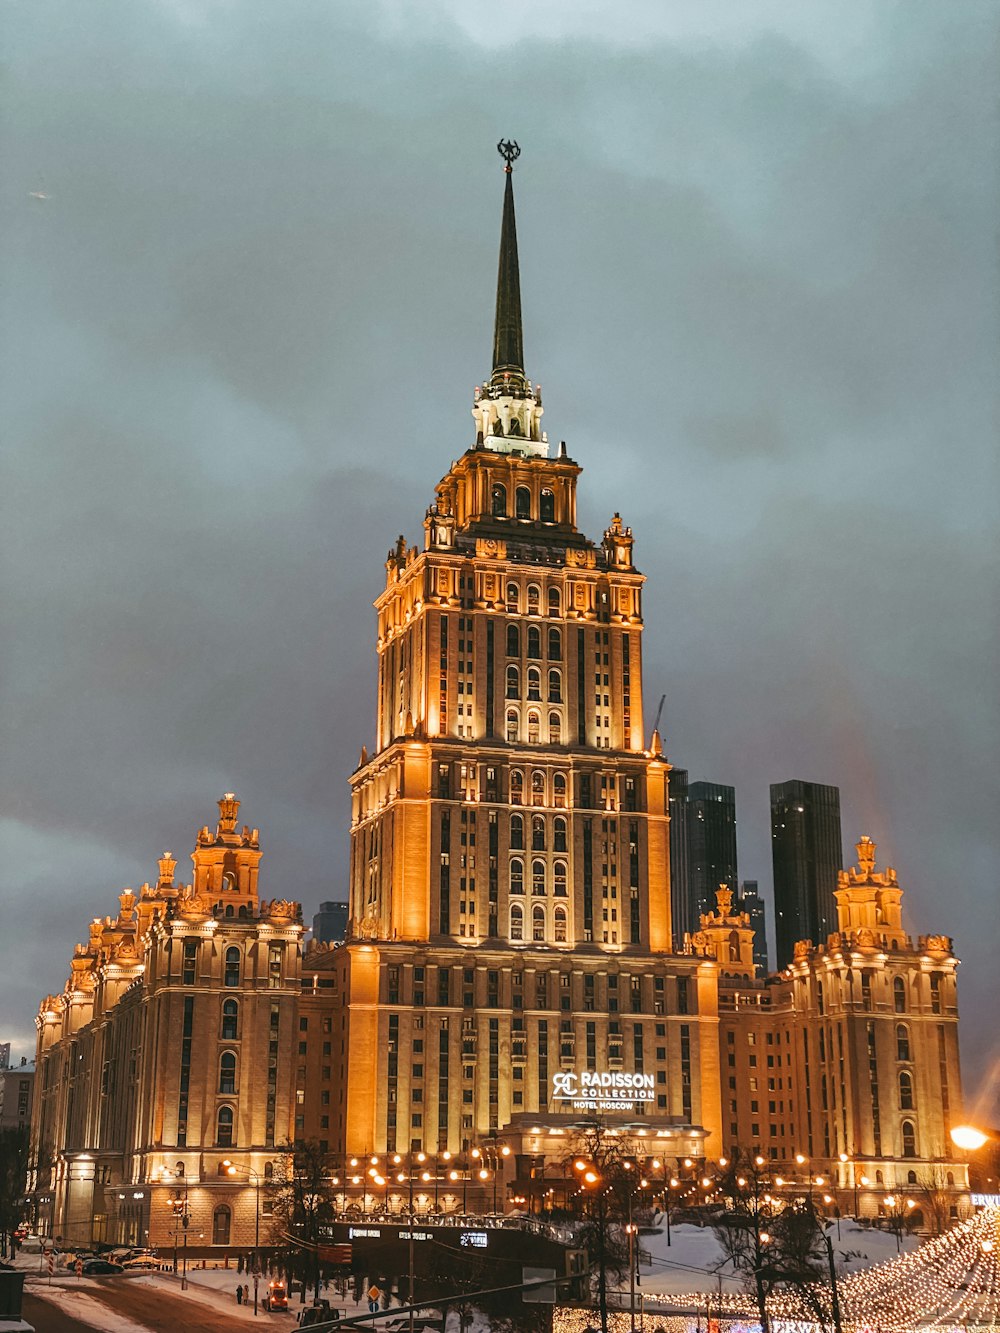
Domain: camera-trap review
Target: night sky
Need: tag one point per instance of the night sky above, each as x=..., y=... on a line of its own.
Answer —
x=240, y=338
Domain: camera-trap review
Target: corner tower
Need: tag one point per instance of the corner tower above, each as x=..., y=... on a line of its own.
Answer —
x=510, y=877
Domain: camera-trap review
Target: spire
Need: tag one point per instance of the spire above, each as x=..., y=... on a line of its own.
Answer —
x=508, y=343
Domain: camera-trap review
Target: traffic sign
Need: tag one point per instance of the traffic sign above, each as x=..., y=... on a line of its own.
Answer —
x=50, y=1259
x=373, y=1307
x=78, y=1268
x=374, y=1293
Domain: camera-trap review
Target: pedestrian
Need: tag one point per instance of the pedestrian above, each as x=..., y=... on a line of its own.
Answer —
x=239, y=1294
x=246, y=1293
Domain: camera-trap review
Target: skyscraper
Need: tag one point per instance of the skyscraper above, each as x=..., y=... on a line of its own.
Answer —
x=680, y=902
x=752, y=903
x=510, y=925
x=807, y=855
x=711, y=826
x=330, y=923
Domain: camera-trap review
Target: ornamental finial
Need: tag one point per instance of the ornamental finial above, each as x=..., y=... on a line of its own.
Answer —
x=509, y=151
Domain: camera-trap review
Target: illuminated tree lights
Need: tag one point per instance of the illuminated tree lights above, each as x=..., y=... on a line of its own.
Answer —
x=952, y=1283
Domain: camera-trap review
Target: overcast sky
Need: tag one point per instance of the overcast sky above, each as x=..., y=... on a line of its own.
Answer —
x=240, y=336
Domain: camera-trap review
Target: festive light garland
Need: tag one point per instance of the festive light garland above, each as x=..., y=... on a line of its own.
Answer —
x=950, y=1284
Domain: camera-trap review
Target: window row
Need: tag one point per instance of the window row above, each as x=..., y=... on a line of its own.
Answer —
x=538, y=878
x=523, y=507
x=539, y=924
x=532, y=600
x=232, y=973
x=532, y=735
x=538, y=833
x=533, y=642
x=537, y=784
x=533, y=684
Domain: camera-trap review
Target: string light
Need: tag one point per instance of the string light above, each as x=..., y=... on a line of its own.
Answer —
x=950, y=1284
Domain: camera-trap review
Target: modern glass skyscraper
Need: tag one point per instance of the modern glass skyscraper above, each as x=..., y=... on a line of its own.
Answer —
x=806, y=853
x=752, y=903
x=711, y=827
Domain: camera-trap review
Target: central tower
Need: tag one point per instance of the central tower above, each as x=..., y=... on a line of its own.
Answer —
x=510, y=882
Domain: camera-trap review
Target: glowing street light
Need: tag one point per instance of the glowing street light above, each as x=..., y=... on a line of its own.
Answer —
x=968, y=1138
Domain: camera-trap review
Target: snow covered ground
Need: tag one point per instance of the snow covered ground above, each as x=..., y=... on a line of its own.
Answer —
x=694, y=1260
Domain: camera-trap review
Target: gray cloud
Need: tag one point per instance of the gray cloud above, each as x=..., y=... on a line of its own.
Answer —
x=239, y=344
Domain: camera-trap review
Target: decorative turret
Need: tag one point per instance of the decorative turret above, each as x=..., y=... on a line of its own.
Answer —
x=869, y=901
x=508, y=410
x=727, y=936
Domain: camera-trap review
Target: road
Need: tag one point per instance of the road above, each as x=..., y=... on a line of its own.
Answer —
x=150, y=1307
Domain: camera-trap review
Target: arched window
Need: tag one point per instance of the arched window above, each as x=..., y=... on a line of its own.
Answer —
x=230, y=1020
x=538, y=787
x=516, y=780
x=221, y=1223
x=911, y=1177
x=559, y=879
x=534, y=683
x=512, y=739
x=555, y=602
x=227, y=1073
x=517, y=875
x=534, y=599
x=513, y=597
x=559, y=925
x=559, y=785
x=559, y=826
x=878, y=1178
x=499, y=501
x=538, y=879
x=224, y=1127
x=902, y=1042
x=517, y=832
x=268, y=1170
x=950, y=1178
x=229, y=882
x=899, y=995
x=555, y=645
x=516, y=921
x=513, y=641
x=547, y=506
x=534, y=728
x=513, y=683
x=522, y=502
x=232, y=973
x=538, y=923
x=534, y=641
x=555, y=729
x=537, y=833
x=230, y=910
x=734, y=946
x=905, y=1091
x=555, y=686
x=909, y=1135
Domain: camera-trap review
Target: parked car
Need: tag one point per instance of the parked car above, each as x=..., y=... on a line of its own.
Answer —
x=149, y=1262
x=276, y=1296
x=100, y=1267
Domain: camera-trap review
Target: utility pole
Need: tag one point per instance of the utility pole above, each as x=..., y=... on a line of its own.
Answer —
x=833, y=1283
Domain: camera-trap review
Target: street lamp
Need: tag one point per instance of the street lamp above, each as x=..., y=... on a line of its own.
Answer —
x=181, y=1214
x=591, y=1180
x=232, y=1170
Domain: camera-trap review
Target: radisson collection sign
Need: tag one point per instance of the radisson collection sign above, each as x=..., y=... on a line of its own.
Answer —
x=601, y=1089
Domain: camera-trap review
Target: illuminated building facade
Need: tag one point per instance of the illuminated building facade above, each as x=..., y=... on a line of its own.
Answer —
x=169, y=1053
x=510, y=877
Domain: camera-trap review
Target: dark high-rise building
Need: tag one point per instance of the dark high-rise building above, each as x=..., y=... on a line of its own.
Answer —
x=753, y=904
x=807, y=854
x=679, y=892
x=711, y=829
x=330, y=923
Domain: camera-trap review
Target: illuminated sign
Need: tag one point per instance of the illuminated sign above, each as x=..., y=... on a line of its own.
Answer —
x=415, y=1235
x=986, y=1200
x=362, y=1232
x=601, y=1090
x=476, y=1240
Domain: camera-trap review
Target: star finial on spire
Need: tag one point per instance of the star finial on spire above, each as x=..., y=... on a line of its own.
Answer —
x=509, y=151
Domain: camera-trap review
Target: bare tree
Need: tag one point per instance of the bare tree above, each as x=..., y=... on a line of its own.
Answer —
x=13, y=1182
x=302, y=1196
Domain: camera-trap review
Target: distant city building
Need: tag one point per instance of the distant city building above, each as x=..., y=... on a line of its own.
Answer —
x=16, y=1088
x=4, y=1054
x=330, y=923
x=806, y=853
x=680, y=907
x=711, y=831
x=753, y=904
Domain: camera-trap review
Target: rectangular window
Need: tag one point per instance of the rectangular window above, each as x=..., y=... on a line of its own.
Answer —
x=190, y=962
